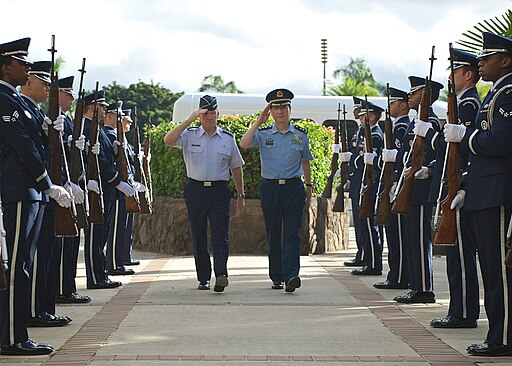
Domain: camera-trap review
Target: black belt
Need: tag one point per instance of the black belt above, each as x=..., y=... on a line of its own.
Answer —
x=282, y=181
x=208, y=183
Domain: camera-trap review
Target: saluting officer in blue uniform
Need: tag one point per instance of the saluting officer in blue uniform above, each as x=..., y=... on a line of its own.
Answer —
x=418, y=250
x=398, y=274
x=487, y=192
x=460, y=258
x=284, y=156
x=210, y=154
x=23, y=179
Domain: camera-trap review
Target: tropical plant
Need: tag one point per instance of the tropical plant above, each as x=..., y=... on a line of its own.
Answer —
x=471, y=40
x=352, y=87
x=357, y=79
x=215, y=83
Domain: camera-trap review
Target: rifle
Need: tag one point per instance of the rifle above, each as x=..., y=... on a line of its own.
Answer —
x=366, y=203
x=339, y=202
x=4, y=255
x=146, y=206
x=77, y=165
x=403, y=200
x=65, y=218
x=327, y=193
x=145, y=162
x=132, y=202
x=447, y=233
x=97, y=206
x=383, y=204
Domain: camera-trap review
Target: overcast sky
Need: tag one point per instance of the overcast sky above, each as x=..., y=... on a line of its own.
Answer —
x=260, y=45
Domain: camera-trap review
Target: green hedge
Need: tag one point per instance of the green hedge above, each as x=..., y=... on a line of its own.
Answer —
x=168, y=169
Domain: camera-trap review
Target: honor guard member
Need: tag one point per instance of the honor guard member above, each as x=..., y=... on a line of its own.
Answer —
x=66, y=291
x=210, y=153
x=284, y=156
x=23, y=179
x=418, y=251
x=97, y=234
x=460, y=258
x=398, y=274
x=354, y=189
x=370, y=238
x=486, y=193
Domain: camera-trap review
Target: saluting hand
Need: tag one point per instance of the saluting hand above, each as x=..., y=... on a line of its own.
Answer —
x=195, y=115
x=264, y=116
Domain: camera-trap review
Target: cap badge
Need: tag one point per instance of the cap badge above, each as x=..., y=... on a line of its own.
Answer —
x=279, y=94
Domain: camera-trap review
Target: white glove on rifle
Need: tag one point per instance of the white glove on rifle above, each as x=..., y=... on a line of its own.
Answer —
x=139, y=187
x=75, y=191
x=95, y=149
x=392, y=191
x=458, y=200
x=92, y=185
x=421, y=127
x=345, y=156
x=60, y=195
x=80, y=143
x=126, y=189
x=369, y=157
x=336, y=148
x=454, y=133
x=58, y=124
x=389, y=155
x=422, y=173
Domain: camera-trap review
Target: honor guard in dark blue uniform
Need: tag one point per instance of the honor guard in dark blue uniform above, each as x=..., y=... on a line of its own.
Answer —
x=284, y=156
x=418, y=250
x=487, y=193
x=398, y=274
x=461, y=258
x=23, y=179
x=210, y=154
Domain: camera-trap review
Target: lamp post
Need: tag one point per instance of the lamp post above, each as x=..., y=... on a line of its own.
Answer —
x=323, y=52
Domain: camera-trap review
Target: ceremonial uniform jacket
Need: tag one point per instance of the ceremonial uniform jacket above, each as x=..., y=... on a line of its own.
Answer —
x=489, y=178
x=23, y=175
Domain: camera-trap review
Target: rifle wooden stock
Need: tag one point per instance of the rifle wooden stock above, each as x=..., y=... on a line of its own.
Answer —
x=367, y=203
x=145, y=205
x=383, y=211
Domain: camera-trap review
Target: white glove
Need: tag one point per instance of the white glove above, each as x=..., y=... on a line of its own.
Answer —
x=60, y=195
x=139, y=187
x=115, y=146
x=70, y=140
x=126, y=189
x=95, y=149
x=80, y=143
x=148, y=158
x=392, y=191
x=337, y=174
x=458, y=200
x=58, y=124
x=92, y=185
x=421, y=127
x=389, y=155
x=75, y=191
x=453, y=132
x=422, y=173
x=336, y=148
x=345, y=156
x=369, y=157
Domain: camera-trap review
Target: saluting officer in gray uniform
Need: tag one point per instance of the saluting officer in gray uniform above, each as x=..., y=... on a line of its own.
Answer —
x=210, y=153
x=284, y=156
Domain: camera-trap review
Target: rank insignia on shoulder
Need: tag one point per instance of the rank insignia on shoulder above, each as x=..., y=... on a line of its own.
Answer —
x=265, y=128
x=12, y=118
x=301, y=129
x=503, y=113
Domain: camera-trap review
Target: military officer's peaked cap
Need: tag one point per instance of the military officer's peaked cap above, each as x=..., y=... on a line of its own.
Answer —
x=66, y=84
x=370, y=108
x=16, y=49
x=417, y=83
x=279, y=97
x=41, y=70
x=89, y=98
x=358, y=102
x=493, y=43
x=127, y=114
x=208, y=102
x=115, y=107
x=397, y=94
x=463, y=58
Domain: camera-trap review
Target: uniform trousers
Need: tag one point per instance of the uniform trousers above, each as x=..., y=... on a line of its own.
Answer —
x=283, y=209
x=70, y=248
x=357, y=229
x=209, y=204
x=22, y=223
x=371, y=242
x=396, y=238
x=128, y=239
x=116, y=235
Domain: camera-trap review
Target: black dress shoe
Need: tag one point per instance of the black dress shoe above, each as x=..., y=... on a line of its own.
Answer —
x=26, y=348
x=292, y=284
x=47, y=320
x=107, y=284
x=120, y=271
x=490, y=350
x=221, y=282
x=204, y=285
x=131, y=262
x=366, y=271
x=453, y=322
x=390, y=285
x=277, y=285
x=74, y=298
x=416, y=297
x=353, y=263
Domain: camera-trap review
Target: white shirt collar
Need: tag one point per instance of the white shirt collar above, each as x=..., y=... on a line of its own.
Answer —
x=31, y=100
x=499, y=81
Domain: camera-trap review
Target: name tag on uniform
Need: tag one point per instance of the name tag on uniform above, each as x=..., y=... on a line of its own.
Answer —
x=207, y=184
x=282, y=181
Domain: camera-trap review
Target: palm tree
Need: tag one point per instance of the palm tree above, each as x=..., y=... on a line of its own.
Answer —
x=351, y=86
x=357, y=80
x=215, y=83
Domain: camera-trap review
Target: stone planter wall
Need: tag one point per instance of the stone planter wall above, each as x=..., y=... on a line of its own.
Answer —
x=167, y=230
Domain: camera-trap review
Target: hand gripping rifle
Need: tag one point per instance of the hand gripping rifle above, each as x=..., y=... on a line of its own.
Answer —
x=447, y=229
x=366, y=203
x=4, y=255
x=383, y=204
x=65, y=218
x=339, y=202
x=403, y=200
x=97, y=206
x=132, y=202
x=327, y=193
x=77, y=164
x=144, y=199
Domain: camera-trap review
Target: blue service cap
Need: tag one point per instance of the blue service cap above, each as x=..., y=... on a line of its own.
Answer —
x=41, y=70
x=493, y=43
x=358, y=102
x=208, y=102
x=397, y=94
x=16, y=49
x=66, y=84
x=127, y=112
x=463, y=58
x=89, y=98
x=370, y=107
x=115, y=107
x=279, y=97
x=418, y=82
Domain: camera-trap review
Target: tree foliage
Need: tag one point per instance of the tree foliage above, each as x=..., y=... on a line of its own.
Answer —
x=357, y=79
x=215, y=83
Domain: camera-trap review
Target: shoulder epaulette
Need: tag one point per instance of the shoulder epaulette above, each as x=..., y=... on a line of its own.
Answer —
x=265, y=128
x=226, y=132
x=190, y=128
x=301, y=129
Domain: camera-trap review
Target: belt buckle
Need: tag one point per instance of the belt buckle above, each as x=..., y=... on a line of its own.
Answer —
x=207, y=184
x=282, y=181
